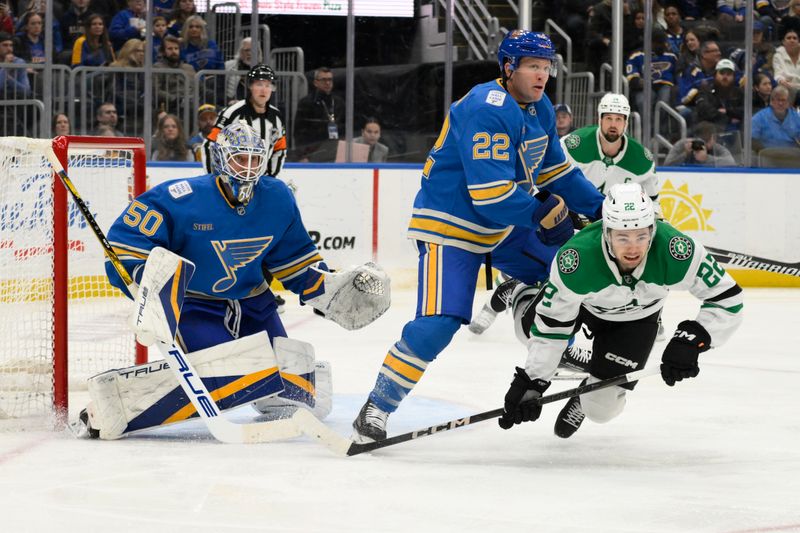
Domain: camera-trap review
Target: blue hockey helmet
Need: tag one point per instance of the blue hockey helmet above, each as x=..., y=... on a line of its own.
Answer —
x=239, y=156
x=523, y=43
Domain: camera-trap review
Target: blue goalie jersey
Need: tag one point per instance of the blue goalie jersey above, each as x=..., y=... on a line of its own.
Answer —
x=492, y=154
x=230, y=245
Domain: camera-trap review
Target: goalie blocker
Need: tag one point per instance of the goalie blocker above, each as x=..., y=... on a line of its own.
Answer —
x=235, y=373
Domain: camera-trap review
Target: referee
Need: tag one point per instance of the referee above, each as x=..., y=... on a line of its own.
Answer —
x=258, y=113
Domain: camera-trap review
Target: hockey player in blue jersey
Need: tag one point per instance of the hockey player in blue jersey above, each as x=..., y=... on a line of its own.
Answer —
x=233, y=226
x=496, y=181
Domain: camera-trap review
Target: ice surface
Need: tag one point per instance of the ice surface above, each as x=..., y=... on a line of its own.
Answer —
x=720, y=453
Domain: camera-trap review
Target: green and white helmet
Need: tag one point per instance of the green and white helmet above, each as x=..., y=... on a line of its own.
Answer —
x=625, y=207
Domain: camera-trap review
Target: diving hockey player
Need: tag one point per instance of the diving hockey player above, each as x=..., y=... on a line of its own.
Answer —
x=613, y=277
x=607, y=156
x=231, y=225
x=493, y=183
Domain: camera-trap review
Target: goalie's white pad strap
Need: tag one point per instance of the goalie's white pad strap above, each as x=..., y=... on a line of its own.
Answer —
x=160, y=296
x=353, y=298
x=120, y=396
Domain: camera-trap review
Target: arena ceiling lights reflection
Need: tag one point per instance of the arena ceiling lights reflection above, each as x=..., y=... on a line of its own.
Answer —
x=362, y=8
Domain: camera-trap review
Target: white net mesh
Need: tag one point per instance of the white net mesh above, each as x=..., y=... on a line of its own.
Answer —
x=97, y=336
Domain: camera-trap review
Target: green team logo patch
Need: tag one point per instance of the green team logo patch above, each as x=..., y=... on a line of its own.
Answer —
x=680, y=248
x=572, y=141
x=568, y=261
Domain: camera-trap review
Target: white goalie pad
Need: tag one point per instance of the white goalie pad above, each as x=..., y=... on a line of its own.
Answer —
x=354, y=298
x=296, y=360
x=159, y=300
x=119, y=396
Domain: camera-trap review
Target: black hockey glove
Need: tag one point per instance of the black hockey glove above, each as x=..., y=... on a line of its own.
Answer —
x=680, y=356
x=518, y=405
x=555, y=226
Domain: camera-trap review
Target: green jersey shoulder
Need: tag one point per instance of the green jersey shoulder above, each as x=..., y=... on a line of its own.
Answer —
x=584, y=267
x=583, y=147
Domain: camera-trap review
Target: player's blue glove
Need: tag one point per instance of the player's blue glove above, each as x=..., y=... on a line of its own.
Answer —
x=555, y=226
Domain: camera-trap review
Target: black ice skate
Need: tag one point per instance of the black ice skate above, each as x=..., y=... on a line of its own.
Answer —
x=576, y=359
x=499, y=302
x=570, y=418
x=370, y=424
x=281, y=303
x=85, y=429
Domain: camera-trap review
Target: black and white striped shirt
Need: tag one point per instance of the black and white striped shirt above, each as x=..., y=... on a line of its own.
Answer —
x=269, y=126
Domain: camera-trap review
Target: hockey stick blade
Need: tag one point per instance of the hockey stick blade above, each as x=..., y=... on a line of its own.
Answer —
x=357, y=448
x=728, y=257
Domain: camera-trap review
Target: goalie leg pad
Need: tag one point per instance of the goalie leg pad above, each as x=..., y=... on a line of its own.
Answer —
x=306, y=383
x=146, y=396
x=351, y=298
x=159, y=300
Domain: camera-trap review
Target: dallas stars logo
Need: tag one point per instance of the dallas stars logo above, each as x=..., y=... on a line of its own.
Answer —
x=568, y=261
x=572, y=142
x=680, y=248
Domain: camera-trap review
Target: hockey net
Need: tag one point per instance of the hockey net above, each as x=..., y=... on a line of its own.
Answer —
x=60, y=320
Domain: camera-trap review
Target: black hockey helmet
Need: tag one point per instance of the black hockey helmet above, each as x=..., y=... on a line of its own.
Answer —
x=260, y=72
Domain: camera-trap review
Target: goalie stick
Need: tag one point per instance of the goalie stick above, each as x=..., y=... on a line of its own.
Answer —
x=727, y=257
x=301, y=423
x=356, y=448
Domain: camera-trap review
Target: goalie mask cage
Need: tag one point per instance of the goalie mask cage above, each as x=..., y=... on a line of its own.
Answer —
x=60, y=320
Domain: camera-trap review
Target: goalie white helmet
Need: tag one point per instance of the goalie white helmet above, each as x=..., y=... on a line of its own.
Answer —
x=239, y=156
x=626, y=207
x=613, y=103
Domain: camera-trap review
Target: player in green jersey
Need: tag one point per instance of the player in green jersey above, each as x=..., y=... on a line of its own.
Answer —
x=613, y=278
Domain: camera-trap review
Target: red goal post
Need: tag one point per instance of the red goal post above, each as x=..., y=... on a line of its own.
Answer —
x=60, y=320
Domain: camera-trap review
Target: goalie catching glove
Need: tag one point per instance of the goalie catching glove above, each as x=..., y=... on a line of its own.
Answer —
x=160, y=297
x=351, y=298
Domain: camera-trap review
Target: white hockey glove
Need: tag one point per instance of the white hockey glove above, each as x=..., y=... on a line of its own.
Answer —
x=353, y=298
x=158, y=303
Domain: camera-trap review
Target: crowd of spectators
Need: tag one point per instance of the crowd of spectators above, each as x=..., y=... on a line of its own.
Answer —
x=697, y=61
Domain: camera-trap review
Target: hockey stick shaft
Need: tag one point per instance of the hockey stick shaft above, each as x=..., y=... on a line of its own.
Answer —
x=302, y=422
x=728, y=257
x=356, y=448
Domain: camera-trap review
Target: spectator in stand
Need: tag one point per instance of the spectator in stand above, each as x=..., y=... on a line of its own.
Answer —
x=30, y=41
x=777, y=126
x=674, y=29
x=763, y=52
x=632, y=32
x=762, y=90
x=14, y=82
x=163, y=8
x=206, y=118
x=159, y=31
x=169, y=142
x=73, y=23
x=771, y=13
x=235, y=84
x=128, y=87
x=172, y=89
x=180, y=14
x=730, y=13
x=563, y=120
x=792, y=18
x=197, y=49
x=60, y=124
x=573, y=16
x=6, y=18
x=93, y=48
x=702, y=149
x=598, y=35
x=723, y=103
x=319, y=120
x=786, y=63
x=698, y=77
x=696, y=9
x=689, y=53
x=128, y=24
x=370, y=135
x=107, y=116
x=662, y=67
